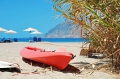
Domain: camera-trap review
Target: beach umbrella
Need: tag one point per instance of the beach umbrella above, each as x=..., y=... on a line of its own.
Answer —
x=2, y=29
x=11, y=32
x=36, y=32
x=30, y=29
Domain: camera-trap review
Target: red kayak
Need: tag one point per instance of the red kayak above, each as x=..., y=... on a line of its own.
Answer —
x=58, y=59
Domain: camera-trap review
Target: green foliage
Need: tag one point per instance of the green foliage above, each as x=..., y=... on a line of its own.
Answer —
x=101, y=19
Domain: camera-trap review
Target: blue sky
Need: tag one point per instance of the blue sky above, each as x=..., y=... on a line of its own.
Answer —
x=21, y=14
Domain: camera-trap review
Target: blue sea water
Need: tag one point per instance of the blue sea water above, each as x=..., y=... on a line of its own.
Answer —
x=53, y=39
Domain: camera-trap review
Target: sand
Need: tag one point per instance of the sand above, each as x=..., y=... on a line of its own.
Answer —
x=10, y=52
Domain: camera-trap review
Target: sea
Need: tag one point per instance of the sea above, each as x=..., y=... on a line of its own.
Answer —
x=52, y=39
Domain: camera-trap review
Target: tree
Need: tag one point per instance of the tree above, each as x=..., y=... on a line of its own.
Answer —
x=100, y=21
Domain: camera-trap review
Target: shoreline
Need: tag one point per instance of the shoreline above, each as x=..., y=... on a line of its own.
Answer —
x=10, y=52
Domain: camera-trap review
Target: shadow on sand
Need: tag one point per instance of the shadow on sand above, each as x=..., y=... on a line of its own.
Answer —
x=82, y=64
x=89, y=65
x=10, y=70
x=68, y=69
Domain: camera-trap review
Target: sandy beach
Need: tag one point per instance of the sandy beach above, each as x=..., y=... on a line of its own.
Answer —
x=10, y=52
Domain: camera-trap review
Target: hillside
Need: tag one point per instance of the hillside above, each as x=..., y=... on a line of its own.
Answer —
x=63, y=30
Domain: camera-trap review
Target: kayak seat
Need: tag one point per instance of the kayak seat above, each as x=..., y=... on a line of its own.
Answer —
x=43, y=50
x=48, y=50
x=53, y=50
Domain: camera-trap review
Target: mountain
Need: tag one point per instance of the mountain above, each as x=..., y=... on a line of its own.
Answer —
x=63, y=30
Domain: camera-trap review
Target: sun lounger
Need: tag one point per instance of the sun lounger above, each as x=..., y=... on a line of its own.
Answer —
x=15, y=40
x=35, y=39
x=2, y=40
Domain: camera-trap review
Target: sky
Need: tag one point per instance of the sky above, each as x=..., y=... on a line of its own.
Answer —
x=19, y=15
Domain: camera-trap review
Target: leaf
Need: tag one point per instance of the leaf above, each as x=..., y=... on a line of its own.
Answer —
x=114, y=0
x=96, y=1
x=102, y=6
